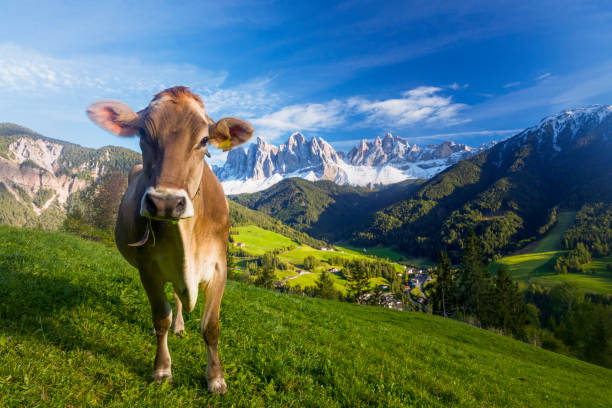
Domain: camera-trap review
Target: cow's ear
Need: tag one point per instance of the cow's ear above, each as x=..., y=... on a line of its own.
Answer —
x=114, y=116
x=228, y=133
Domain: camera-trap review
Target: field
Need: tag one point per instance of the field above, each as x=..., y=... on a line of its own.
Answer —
x=535, y=264
x=76, y=331
x=258, y=241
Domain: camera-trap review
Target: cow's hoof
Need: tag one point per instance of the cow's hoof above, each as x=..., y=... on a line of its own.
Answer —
x=217, y=386
x=162, y=376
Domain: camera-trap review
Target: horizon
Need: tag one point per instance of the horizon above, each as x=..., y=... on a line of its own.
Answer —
x=428, y=72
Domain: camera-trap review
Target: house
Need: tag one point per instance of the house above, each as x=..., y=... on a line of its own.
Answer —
x=383, y=287
x=240, y=244
x=332, y=270
x=323, y=249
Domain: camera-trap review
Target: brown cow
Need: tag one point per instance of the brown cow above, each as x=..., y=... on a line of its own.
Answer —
x=173, y=222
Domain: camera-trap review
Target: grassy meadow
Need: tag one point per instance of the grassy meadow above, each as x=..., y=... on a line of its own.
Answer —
x=76, y=331
x=258, y=241
x=535, y=263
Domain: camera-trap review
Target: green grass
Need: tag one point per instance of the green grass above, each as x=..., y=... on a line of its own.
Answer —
x=552, y=240
x=75, y=329
x=259, y=241
x=537, y=265
x=310, y=279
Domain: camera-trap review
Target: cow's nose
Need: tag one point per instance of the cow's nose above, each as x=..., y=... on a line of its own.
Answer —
x=165, y=205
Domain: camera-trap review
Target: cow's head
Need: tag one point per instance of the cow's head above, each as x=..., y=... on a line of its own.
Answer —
x=175, y=132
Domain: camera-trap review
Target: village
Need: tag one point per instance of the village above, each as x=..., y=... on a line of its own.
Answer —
x=411, y=294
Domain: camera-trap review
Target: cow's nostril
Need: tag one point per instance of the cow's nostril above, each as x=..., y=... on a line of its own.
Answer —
x=150, y=205
x=180, y=205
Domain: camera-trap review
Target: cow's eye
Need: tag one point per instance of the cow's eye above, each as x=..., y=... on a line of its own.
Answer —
x=204, y=141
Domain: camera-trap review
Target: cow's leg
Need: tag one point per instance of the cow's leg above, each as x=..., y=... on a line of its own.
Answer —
x=162, y=320
x=210, y=331
x=179, y=324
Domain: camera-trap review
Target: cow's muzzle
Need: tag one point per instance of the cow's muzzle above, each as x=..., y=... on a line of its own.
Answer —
x=166, y=204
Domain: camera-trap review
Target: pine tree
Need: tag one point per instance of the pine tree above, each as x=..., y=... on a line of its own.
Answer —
x=510, y=310
x=265, y=277
x=106, y=199
x=230, y=262
x=358, y=282
x=444, y=285
x=325, y=287
x=474, y=290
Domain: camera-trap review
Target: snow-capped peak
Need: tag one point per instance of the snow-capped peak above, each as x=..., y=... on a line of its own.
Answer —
x=561, y=128
x=385, y=160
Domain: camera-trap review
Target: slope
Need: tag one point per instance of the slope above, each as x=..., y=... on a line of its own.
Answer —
x=76, y=331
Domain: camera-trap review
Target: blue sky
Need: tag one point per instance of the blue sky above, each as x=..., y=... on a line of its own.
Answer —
x=468, y=71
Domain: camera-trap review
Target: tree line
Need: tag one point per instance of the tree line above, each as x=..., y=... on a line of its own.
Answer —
x=590, y=236
x=561, y=318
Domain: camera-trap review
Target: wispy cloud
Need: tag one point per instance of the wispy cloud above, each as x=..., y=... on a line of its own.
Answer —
x=455, y=86
x=543, y=76
x=27, y=71
x=512, y=84
x=591, y=85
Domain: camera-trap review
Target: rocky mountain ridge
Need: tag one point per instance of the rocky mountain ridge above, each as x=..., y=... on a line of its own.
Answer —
x=39, y=174
x=385, y=160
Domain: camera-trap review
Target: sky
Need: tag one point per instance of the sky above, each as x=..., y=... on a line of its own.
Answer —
x=428, y=71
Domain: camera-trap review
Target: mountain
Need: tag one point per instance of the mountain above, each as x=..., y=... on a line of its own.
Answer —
x=39, y=174
x=323, y=208
x=383, y=161
x=508, y=191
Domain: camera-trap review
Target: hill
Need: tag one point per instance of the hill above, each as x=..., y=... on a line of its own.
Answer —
x=505, y=193
x=76, y=331
x=324, y=209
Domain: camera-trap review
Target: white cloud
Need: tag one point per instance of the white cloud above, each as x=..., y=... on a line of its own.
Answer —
x=311, y=116
x=422, y=104
x=512, y=84
x=419, y=105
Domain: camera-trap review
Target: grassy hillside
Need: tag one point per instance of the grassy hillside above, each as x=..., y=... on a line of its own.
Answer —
x=535, y=264
x=258, y=240
x=76, y=331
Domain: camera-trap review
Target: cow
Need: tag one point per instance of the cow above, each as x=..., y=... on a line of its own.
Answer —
x=173, y=220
